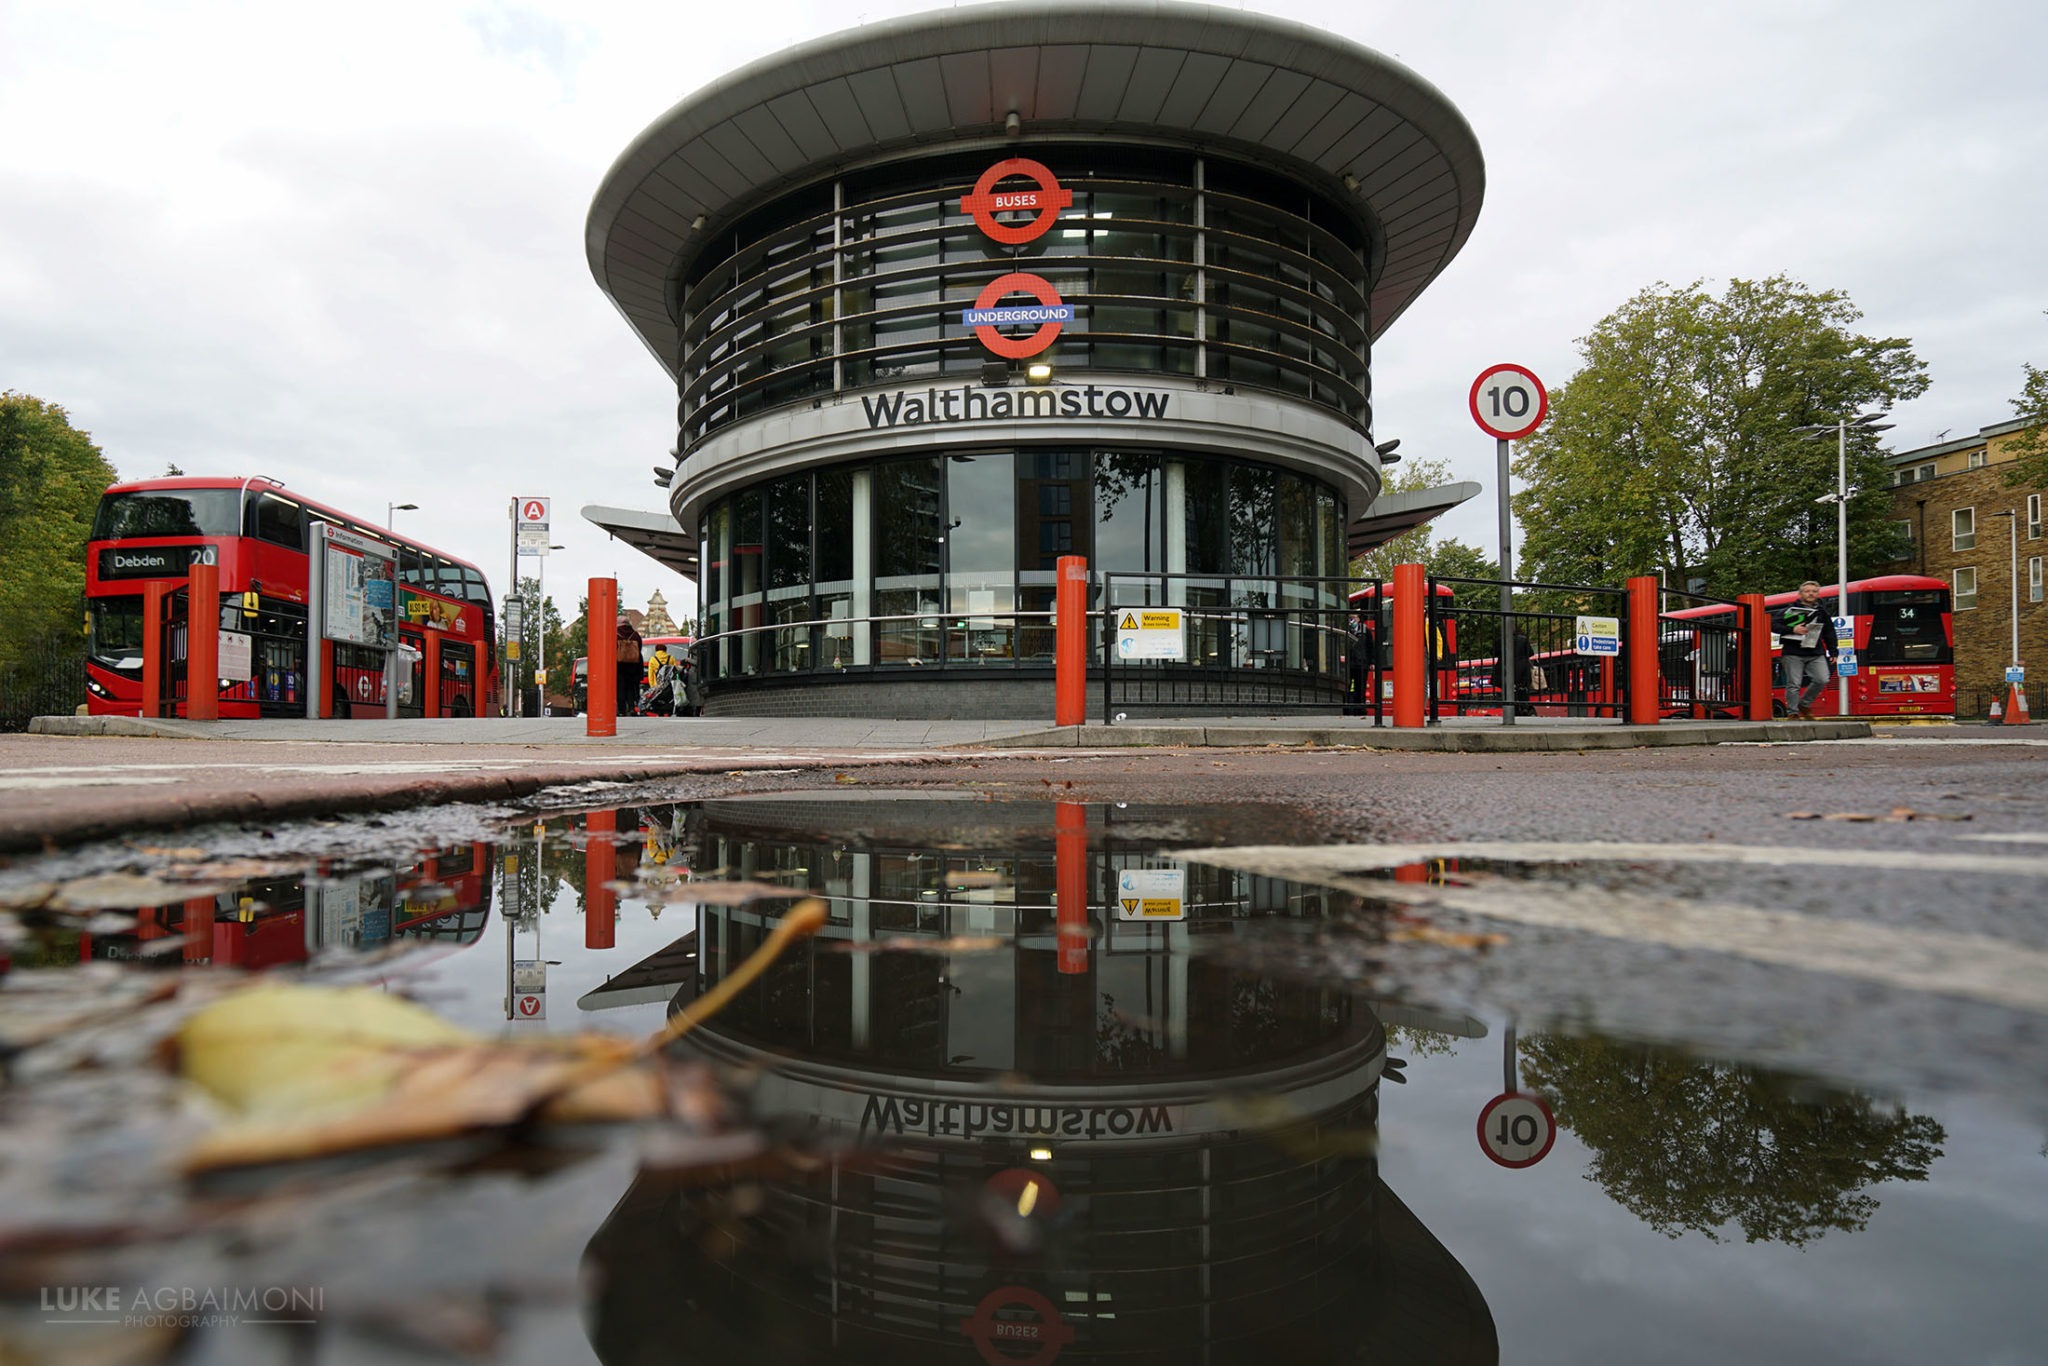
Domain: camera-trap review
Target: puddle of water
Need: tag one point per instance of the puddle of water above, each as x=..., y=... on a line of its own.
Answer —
x=1039, y=1092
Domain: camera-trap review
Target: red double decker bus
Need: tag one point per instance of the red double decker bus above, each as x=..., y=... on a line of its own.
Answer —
x=1903, y=633
x=257, y=531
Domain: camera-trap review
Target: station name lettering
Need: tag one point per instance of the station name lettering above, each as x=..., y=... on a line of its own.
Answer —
x=970, y=1119
x=971, y=403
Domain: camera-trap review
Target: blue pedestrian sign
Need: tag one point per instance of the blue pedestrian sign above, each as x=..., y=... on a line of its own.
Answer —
x=1599, y=635
x=2015, y=673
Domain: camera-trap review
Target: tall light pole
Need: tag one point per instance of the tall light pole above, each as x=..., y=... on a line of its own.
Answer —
x=1868, y=422
x=393, y=509
x=540, y=616
x=2013, y=518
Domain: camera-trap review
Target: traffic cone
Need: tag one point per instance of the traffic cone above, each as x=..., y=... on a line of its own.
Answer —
x=1997, y=713
x=2016, y=713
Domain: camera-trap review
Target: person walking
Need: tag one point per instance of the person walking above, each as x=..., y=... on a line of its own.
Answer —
x=629, y=667
x=1806, y=644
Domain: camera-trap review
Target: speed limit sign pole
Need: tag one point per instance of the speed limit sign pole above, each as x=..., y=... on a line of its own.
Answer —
x=1508, y=402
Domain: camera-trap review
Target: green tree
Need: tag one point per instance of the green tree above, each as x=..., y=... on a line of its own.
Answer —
x=1449, y=557
x=51, y=478
x=1677, y=444
x=1690, y=1144
x=2031, y=445
x=536, y=623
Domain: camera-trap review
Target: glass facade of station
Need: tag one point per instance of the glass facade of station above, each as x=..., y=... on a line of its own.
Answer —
x=949, y=560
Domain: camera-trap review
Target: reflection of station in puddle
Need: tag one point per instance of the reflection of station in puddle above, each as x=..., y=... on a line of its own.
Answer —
x=274, y=922
x=1044, y=1131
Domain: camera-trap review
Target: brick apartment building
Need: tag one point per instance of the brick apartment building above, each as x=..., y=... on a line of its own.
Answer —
x=1948, y=501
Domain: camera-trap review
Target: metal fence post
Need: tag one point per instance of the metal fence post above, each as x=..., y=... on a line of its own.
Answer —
x=1644, y=696
x=1756, y=656
x=1411, y=645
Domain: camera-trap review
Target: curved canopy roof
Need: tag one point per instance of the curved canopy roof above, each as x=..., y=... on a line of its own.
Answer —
x=1272, y=90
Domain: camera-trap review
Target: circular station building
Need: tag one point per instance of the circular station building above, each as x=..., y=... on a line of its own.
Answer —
x=949, y=297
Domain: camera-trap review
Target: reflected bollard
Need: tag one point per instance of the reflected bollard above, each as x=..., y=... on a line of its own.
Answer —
x=600, y=868
x=1070, y=883
x=601, y=712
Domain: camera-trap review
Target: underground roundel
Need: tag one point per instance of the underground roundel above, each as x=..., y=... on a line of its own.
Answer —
x=1048, y=313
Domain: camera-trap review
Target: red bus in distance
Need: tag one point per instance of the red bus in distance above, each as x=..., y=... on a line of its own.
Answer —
x=1903, y=631
x=256, y=530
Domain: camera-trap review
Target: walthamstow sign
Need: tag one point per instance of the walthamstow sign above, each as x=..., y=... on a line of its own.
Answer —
x=1048, y=312
x=972, y=403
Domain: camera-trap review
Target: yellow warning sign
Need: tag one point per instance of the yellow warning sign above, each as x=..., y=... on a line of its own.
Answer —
x=1159, y=621
x=1131, y=905
x=1129, y=623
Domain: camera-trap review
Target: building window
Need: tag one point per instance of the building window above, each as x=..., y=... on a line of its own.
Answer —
x=2034, y=579
x=1966, y=590
x=1924, y=472
x=1902, y=538
x=2033, y=516
x=1976, y=460
x=1963, y=529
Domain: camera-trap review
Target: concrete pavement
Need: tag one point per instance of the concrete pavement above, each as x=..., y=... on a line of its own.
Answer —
x=73, y=779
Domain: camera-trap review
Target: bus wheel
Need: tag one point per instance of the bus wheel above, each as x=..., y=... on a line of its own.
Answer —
x=459, y=707
x=1777, y=709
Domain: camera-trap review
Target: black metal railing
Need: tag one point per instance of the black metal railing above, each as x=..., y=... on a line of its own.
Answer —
x=173, y=637
x=1272, y=644
x=1702, y=648
x=1551, y=671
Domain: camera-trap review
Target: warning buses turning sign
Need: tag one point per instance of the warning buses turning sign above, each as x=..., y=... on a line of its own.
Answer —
x=1151, y=894
x=1149, y=633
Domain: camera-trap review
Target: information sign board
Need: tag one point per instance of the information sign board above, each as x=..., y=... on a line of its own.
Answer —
x=359, y=591
x=2015, y=673
x=1150, y=633
x=1599, y=635
x=1152, y=894
x=236, y=656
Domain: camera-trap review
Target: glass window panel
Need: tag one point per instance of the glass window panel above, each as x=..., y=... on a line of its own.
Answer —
x=1254, y=521
x=789, y=533
x=1208, y=512
x=1129, y=523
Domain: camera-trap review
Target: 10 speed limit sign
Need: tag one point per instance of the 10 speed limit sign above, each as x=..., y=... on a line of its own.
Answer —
x=1516, y=1129
x=1508, y=401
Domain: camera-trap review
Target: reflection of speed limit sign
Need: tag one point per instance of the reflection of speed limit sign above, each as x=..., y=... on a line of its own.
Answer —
x=1516, y=1130
x=1508, y=401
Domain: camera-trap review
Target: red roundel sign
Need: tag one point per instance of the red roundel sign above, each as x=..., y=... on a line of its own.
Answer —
x=1508, y=401
x=1042, y=1336
x=1050, y=313
x=985, y=202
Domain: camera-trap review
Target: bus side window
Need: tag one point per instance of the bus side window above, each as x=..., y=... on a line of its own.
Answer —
x=280, y=522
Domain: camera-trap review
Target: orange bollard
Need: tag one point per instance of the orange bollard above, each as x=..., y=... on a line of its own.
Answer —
x=1643, y=699
x=1756, y=655
x=600, y=644
x=430, y=673
x=197, y=926
x=202, y=643
x=152, y=649
x=1070, y=883
x=600, y=866
x=1070, y=642
x=1411, y=645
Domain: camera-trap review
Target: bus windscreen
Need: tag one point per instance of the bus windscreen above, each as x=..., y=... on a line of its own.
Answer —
x=1905, y=628
x=167, y=512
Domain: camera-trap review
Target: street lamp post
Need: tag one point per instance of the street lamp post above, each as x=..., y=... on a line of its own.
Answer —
x=1868, y=422
x=2013, y=519
x=393, y=509
x=540, y=616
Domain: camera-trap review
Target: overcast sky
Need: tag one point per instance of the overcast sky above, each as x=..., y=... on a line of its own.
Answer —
x=344, y=246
